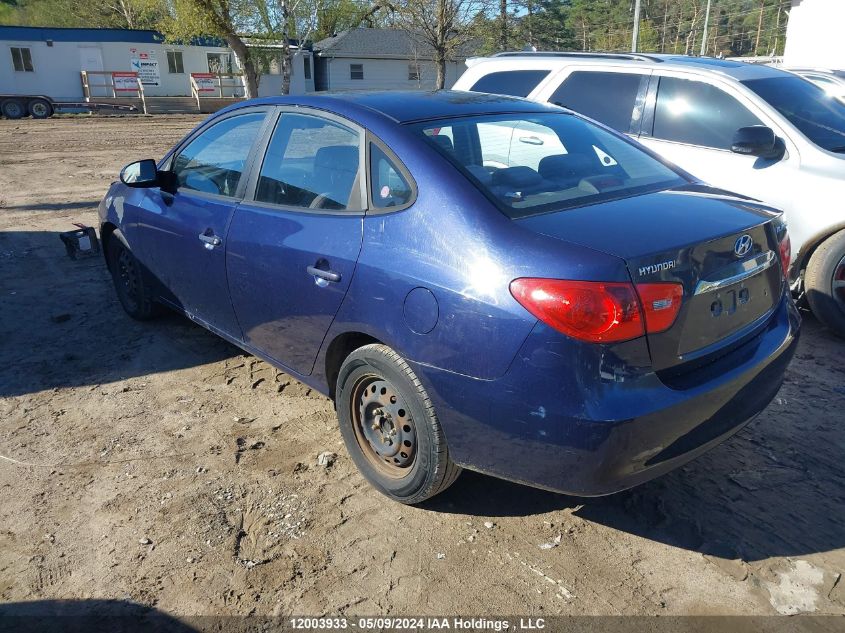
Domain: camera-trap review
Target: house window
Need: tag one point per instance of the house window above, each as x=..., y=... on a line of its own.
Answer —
x=306, y=65
x=174, y=63
x=413, y=72
x=219, y=63
x=22, y=59
x=356, y=71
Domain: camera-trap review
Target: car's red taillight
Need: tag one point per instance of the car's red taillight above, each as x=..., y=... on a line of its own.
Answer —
x=785, y=250
x=592, y=311
x=661, y=303
x=599, y=311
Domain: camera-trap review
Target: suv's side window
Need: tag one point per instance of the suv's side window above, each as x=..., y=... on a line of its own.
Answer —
x=388, y=185
x=697, y=113
x=516, y=83
x=608, y=97
x=214, y=161
x=311, y=163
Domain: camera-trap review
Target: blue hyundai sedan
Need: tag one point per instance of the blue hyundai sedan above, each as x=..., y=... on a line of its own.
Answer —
x=476, y=281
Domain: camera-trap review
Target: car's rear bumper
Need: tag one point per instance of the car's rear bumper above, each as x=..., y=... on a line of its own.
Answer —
x=589, y=432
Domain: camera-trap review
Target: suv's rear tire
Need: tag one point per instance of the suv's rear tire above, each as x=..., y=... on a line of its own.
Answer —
x=824, y=283
x=377, y=388
x=131, y=281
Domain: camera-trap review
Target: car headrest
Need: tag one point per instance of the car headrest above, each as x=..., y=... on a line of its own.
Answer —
x=444, y=142
x=480, y=173
x=565, y=166
x=337, y=158
x=520, y=177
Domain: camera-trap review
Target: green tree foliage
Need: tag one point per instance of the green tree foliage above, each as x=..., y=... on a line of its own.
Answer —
x=736, y=27
x=125, y=14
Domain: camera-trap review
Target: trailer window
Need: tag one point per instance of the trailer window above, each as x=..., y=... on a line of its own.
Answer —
x=174, y=63
x=22, y=59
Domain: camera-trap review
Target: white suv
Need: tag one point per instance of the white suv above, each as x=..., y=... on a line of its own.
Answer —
x=752, y=129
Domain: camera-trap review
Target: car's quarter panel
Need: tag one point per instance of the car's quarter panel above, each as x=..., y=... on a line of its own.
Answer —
x=557, y=420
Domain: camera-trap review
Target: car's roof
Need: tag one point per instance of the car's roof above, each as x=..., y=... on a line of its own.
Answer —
x=656, y=61
x=407, y=106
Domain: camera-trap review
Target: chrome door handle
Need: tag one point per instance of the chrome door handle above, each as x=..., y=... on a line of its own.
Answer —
x=328, y=275
x=210, y=241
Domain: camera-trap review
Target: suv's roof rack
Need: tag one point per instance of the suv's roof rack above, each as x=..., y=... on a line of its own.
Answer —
x=629, y=56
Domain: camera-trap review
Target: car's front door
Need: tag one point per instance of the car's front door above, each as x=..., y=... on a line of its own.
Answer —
x=184, y=232
x=692, y=123
x=294, y=242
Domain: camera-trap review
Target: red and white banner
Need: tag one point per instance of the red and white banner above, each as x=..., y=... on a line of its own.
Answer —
x=205, y=82
x=125, y=81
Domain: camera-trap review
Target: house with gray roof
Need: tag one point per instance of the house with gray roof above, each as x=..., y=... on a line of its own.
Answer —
x=378, y=59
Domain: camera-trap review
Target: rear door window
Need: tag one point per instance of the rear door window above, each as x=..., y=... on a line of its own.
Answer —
x=311, y=163
x=607, y=97
x=697, y=113
x=516, y=83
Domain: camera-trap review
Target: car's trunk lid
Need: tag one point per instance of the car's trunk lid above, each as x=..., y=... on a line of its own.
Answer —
x=722, y=250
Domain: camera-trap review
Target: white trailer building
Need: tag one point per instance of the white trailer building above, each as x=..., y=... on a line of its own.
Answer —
x=814, y=34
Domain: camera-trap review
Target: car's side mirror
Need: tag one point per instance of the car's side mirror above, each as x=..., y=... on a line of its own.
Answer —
x=757, y=140
x=142, y=173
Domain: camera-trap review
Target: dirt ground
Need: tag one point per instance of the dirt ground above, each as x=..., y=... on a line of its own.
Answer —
x=155, y=463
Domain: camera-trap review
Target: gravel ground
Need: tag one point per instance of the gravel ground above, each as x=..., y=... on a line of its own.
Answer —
x=157, y=464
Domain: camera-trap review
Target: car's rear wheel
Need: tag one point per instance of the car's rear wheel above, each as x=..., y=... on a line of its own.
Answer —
x=390, y=428
x=824, y=282
x=131, y=282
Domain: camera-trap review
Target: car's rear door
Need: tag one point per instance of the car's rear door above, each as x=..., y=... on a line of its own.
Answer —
x=294, y=242
x=613, y=96
x=184, y=232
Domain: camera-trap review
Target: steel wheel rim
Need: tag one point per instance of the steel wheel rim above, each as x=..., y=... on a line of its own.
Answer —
x=838, y=283
x=13, y=109
x=128, y=278
x=383, y=425
x=39, y=109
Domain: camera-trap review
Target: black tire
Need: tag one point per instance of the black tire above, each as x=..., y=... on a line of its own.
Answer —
x=40, y=109
x=377, y=388
x=824, y=283
x=131, y=281
x=13, y=109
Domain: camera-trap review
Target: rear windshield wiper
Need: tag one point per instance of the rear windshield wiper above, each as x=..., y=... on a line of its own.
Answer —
x=837, y=150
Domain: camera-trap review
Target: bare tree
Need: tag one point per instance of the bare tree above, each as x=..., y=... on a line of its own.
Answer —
x=284, y=20
x=443, y=26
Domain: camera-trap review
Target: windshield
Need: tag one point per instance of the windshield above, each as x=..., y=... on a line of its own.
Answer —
x=817, y=115
x=546, y=162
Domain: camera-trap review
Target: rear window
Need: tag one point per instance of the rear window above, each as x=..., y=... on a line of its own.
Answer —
x=516, y=83
x=605, y=97
x=535, y=164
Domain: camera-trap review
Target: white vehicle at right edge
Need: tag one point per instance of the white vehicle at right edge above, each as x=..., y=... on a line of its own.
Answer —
x=752, y=129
